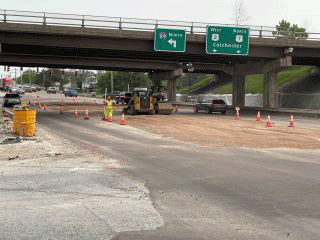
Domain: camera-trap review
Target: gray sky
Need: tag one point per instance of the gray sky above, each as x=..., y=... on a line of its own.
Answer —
x=305, y=13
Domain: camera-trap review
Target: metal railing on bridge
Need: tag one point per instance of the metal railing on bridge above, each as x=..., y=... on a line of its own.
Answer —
x=89, y=21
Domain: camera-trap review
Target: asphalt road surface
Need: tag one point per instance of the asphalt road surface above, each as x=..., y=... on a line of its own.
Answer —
x=208, y=193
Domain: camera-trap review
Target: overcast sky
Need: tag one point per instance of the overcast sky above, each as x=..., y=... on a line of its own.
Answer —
x=305, y=13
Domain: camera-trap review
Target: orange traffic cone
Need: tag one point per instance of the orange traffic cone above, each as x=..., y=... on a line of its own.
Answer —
x=269, y=121
x=109, y=118
x=237, y=116
x=45, y=108
x=258, y=119
x=122, y=122
x=75, y=114
x=291, y=121
x=86, y=115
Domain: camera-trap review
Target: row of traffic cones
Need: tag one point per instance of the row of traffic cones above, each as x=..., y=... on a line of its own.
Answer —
x=269, y=123
x=109, y=118
x=39, y=107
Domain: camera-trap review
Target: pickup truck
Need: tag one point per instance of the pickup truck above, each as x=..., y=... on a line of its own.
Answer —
x=217, y=105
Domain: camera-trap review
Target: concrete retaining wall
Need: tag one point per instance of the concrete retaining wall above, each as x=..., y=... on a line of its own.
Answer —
x=251, y=100
x=299, y=100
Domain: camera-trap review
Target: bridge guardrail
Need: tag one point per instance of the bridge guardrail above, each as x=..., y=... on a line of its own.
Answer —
x=89, y=21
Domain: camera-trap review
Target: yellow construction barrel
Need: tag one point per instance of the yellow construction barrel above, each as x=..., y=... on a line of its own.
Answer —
x=24, y=121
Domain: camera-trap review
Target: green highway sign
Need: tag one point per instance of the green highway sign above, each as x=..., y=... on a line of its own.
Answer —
x=227, y=40
x=170, y=40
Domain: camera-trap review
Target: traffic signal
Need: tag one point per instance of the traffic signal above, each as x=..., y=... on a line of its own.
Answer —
x=8, y=68
x=76, y=73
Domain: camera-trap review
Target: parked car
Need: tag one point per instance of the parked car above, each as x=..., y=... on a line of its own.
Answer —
x=11, y=99
x=38, y=88
x=120, y=98
x=113, y=95
x=124, y=98
x=127, y=97
x=51, y=90
x=93, y=94
x=217, y=105
x=17, y=90
x=71, y=93
x=27, y=89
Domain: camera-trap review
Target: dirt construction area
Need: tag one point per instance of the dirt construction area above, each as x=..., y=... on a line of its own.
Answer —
x=225, y=131
x=219, y=130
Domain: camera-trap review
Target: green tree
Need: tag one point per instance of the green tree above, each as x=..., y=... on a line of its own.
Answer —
x=48, y=77
x=28, y=77
x=285, y=29
x=121, y=81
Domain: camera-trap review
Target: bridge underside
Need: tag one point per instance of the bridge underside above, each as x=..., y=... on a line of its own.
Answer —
x=118, y=50
x=108, y=59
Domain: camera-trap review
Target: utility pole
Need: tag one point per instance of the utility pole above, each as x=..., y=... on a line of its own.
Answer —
x=21, y=70
x=111, y=81
x=44, y=79
x=29, y=78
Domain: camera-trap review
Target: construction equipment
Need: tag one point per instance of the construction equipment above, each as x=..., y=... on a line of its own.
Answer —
x=143, y=101
x=160, y=105
x=140, y=102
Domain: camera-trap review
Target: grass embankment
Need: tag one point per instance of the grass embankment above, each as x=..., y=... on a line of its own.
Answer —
x=202, y=82
x=254, y=83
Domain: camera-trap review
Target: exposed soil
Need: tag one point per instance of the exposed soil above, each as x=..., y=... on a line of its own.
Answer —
x=219, y=131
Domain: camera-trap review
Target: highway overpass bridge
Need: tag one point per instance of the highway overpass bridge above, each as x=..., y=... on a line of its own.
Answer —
x=122, y=44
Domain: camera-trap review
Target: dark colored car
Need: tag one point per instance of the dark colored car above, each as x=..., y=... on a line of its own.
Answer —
x=217, y=105
x=71, y=93
x=113, y=95
x=11, y=99
x=127, y=97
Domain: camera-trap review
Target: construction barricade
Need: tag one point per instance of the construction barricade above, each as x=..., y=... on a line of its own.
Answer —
x=24, y=121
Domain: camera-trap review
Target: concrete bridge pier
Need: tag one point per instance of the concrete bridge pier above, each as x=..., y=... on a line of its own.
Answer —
x=269, y=69
x=270, y=95
x=171, y=77
x=238, y=90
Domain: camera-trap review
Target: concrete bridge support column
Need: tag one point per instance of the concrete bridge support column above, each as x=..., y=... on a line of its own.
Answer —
x=270, y=95
x=171, y=77
x=238, y=90
x=172, y=90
